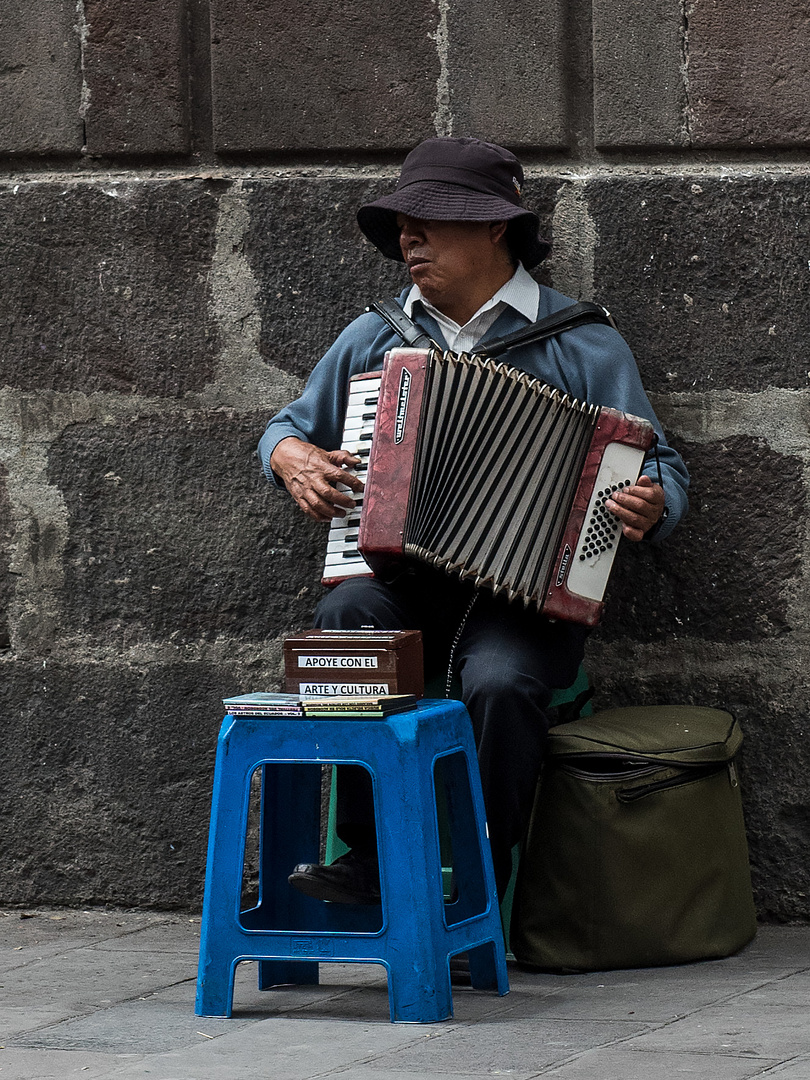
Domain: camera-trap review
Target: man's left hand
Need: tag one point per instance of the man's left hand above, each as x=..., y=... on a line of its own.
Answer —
x=638, y=507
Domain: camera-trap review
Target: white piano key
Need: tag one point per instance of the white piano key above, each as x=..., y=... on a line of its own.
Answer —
x=336, y=560
x=343, y=525
x=360, y=410
x=341, y=547
x=333, y=575
x=363, y=440
x=356, y=447
x=358, y=387
x=360, y=422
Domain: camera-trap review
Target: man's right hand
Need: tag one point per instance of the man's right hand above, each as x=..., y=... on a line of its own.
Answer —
x=310, y=475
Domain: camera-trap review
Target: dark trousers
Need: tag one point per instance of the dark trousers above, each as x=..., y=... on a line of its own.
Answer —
x=508, y=662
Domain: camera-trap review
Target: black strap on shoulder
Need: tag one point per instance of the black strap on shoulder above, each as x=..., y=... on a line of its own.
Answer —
x=391, y=313
x=556, y=323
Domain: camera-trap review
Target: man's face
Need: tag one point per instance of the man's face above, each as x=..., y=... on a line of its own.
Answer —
x=447, y=259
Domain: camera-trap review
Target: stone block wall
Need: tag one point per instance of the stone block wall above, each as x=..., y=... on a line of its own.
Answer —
x=178, y=183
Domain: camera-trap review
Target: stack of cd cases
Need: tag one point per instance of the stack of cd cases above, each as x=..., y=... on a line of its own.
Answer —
x=266, y=704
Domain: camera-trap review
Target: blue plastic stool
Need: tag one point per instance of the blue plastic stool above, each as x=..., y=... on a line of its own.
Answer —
x=413, y=932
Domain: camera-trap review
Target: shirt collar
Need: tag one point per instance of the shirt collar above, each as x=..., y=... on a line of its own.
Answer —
x=520, y=292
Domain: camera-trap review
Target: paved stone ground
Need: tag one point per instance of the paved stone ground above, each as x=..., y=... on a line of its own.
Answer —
x=110, y=994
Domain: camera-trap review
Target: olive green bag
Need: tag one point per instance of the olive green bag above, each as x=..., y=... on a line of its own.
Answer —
x=636, y=853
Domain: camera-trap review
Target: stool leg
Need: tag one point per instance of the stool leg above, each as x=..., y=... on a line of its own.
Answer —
x=472, y=865
x=220, y=937
x=453, y=779
x=290, y=793
x=413, y=900
x=485, y=969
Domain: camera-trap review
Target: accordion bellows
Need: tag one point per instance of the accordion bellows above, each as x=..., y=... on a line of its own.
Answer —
x=496, y=477
x=500, y=458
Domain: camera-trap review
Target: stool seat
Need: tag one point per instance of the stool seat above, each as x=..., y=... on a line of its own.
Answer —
x=413, y=932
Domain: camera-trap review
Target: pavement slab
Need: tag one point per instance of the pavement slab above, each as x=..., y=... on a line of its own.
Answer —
x=799, y=1069
x=35, y=934
x=41, y=1064
x=286, y=1048
x=736, y=1029
x=619, y=1064
x=511, y=1047
x=77, y=980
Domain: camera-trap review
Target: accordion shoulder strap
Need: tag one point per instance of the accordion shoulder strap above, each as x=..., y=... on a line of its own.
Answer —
x=556, y=323
x=413, y=335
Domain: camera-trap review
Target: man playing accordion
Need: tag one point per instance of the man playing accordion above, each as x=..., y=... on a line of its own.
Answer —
x=457, y=222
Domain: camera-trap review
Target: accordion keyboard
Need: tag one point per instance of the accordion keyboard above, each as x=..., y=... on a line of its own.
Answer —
x=343, y=559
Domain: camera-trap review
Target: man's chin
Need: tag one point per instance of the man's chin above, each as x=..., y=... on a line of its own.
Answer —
x=431, y=291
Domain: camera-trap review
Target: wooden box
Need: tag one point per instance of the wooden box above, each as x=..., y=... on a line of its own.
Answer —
x=347, y=663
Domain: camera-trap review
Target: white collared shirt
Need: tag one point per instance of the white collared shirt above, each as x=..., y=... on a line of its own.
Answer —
x=520, y=292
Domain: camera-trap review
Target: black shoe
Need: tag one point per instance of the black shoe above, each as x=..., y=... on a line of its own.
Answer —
x=354, y=878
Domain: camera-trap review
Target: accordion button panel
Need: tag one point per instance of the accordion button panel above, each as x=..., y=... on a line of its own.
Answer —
x=343, y=559
x=601, y=530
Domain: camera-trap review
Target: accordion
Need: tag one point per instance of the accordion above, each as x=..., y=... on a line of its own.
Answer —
x=480, y=469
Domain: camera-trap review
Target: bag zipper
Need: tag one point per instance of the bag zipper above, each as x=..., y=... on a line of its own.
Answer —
x=694, y=773
x=634, y=770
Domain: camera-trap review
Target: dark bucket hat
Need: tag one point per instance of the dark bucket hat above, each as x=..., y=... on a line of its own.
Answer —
x=447, y=179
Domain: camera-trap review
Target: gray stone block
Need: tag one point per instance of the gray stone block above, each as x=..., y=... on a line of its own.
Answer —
x=115, y=808
x=321, y=75
x=174, y=534
x=137, y=80
x=541, y=194
x=639, y=96
x=315, y=271
x=707, y=278
x=776, y=762
x=506, y=73
x=725, y=573
x=104, y=285
x=40, y=78
x=6, y=578
x=749, y=74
